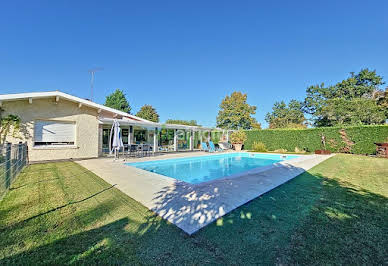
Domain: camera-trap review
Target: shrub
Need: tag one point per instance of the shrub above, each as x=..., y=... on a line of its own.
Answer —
x=281, y=151
x=259, y=147
x=297, y=150
x=363, y=138
x=216, y=136
x=238, y=137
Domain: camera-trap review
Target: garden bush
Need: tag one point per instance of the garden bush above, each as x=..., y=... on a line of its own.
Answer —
x=281, y=150
x=238, y=137
x=297, y=150
x=259, y=147
x=357, y=139
x=215, y=136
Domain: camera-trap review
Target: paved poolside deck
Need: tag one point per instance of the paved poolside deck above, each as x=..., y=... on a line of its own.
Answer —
x=188, y=206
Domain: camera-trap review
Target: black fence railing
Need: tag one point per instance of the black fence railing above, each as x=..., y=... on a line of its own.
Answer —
x=13, y=158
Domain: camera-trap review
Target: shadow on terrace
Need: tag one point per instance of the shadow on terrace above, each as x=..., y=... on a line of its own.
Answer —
x=191, y=206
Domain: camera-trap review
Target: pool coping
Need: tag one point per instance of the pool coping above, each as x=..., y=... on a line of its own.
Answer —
x=193, y=206
x=248, y=172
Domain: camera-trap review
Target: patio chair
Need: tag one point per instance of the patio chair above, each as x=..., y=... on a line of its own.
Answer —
x=224, y=146
x=163, y=148
x=132, y=150
x=144, y=150
x=147, y=148
x=212, y=147
x=204, y=147
x=140, y=150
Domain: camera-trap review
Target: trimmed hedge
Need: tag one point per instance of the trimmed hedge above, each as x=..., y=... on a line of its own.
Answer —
x=357, y=139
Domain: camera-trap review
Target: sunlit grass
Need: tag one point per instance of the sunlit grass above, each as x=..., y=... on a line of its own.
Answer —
x=60, y=213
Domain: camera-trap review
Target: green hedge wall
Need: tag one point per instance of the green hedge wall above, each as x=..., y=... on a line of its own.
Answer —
x=358, y=139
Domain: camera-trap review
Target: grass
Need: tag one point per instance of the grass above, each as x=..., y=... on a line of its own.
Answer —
x=60, y=213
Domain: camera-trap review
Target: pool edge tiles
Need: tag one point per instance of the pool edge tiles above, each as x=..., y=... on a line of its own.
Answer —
x=211, y=167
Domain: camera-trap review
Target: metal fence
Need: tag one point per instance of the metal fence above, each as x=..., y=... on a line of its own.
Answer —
x=13, y=158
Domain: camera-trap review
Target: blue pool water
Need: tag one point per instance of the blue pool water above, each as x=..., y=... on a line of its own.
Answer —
x=200, y=169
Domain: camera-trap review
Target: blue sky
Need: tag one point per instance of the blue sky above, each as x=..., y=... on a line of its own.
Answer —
x=183, y=57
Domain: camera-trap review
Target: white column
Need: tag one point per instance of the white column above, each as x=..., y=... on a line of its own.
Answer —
x=175, y=140
x=227, y=135
x=100, y=130
x=156, y=148
x=130, y=135
x=209, y=136
x=191, y=140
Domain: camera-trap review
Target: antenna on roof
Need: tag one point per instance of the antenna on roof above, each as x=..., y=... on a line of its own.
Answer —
x=92, y=72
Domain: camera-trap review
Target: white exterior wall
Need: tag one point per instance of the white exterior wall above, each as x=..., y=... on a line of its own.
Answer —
x=100, y=128
x=87, y=127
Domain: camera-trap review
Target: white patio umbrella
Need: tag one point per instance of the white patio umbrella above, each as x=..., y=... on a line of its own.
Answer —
x=117, y=142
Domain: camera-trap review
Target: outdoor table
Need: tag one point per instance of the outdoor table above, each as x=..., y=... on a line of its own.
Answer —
x=141, y=149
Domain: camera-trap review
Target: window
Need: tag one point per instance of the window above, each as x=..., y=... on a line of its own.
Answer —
x=106, y=137
x=125, y=135
x=54, y=133
x=140, y=135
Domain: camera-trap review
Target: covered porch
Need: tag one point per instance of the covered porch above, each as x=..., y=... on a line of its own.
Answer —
x=159, y=138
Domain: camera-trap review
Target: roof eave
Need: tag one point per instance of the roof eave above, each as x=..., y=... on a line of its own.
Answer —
x=48, y=94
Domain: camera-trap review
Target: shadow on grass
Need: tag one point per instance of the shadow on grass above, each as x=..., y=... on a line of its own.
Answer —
x=68, y=204
x=92, y=246
x=60, y=207
x=115, y=242
x=308, y=220
x=33, y=183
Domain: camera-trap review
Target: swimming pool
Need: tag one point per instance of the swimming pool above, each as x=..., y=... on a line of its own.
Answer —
x=195, y=170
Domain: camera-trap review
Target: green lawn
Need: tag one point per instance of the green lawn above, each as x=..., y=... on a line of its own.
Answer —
x=334, y=214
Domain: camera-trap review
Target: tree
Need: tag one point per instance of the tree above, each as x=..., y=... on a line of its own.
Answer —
x=382, y=100
x=235, y=112
x=182, y=122
x=256, y=126
x=117, y=100
x=358, y=111
x=148, y=112
x=361, y=89
x=8, y=123
x=286, y=116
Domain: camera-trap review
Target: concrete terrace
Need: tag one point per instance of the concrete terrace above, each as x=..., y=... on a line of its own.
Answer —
x=188, y=206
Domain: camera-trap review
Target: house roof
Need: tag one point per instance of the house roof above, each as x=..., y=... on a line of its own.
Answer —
x=155, y=125
x=49, y=94
x=127, y=118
